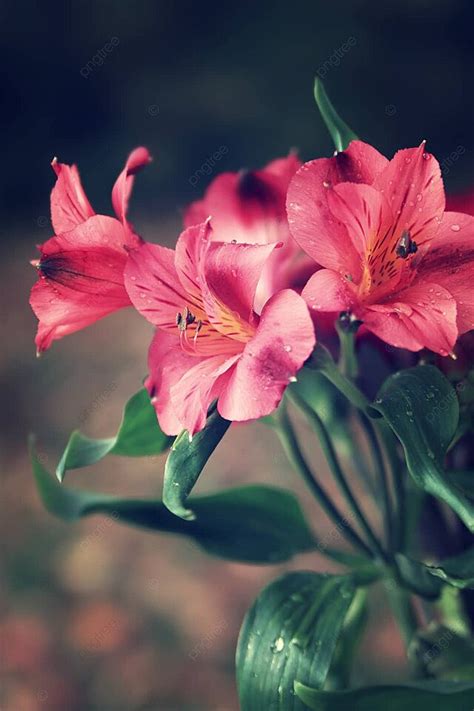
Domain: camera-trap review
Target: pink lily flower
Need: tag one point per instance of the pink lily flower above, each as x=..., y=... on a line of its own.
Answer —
x=392, y=256
x=210, y=343
x=81, y=267
x=250, y=207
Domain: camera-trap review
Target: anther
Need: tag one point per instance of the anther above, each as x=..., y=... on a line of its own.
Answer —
x=405, y=246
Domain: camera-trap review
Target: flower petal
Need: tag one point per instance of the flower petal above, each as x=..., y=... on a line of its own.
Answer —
x=167, y=363
x=81, y=278
x=152, y=283
x=283, y=341
x=190, y=252
x=312, y=223
x=449, y=261
x=328, y=291
x=248, y=206
x=421, y=316
x=363, y=210
x=413, y=186
x=122, y=189
x=199, y=386
x=69, y=204
x=231, y=273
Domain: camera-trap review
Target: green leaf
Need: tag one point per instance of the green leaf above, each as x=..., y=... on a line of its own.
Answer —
x=251, y=524
x=416, y=577
x=139, y=435
x=421, y=407
x=340, y=132
x=451, y=612
x=290, y=632
x=464, y=480
x=186, y=461
x=351, y=636
x=457, y=570
x=422, y=696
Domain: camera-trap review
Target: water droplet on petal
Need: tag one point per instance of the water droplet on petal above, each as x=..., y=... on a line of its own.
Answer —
x=455, y=228
x=326, y=184
x=288, y=349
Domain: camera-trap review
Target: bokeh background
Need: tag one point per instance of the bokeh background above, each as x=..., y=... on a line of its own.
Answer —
x=94, y=617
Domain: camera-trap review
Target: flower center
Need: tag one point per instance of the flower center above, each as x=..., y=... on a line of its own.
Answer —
x=385, y=263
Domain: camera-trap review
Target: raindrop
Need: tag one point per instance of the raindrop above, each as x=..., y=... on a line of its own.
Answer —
x=419, y=197
x=296, y=597
x=288, y=349
x=455, y=228
x=326, y=184
x=426, y=156
x=233, y=241
x=278, y=645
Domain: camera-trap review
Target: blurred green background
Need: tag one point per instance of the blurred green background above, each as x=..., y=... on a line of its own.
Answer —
x=100, y=618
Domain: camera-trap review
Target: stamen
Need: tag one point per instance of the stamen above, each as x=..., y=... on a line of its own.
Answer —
x=405, y=246
x=196, y=332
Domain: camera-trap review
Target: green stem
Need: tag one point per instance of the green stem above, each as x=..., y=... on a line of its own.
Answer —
x=322, y=361
x=390, y=448
x=337, y=472
x=347, y=354
x=291, y=447
x=405, y=616
x=381, y=473
x=403, y=611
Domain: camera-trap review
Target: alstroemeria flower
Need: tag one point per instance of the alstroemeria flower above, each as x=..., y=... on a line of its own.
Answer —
x=210, y=343
x=81, y=267
x=392, y=255
x=250, y=207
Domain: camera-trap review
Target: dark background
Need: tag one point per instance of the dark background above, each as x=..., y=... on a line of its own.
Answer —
x=95, y=617
x=188, y=77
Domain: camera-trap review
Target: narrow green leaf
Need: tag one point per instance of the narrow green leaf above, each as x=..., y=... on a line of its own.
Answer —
x=421, y=407
x=139, y=435
x=340, y=132
x=290, y=632
x=251, y=524
x=423, y=696
x=457, y=570
x=186, y=461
